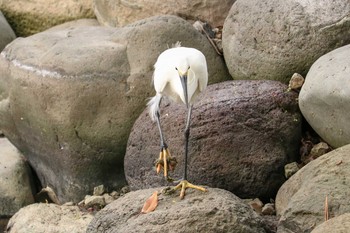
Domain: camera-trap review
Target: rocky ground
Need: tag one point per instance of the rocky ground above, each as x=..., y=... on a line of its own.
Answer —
x=269, y=137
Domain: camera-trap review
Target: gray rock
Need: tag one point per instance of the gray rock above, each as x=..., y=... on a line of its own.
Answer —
x=338, y=224
x=7, y=35
x=324, y=97
x=30, y=17
x=319, y=149
x=242, y=135
x=94, y=201
x=272, y=39
x=268, y=209
x=42, y=217
x=99, y=190
x=300, y=201
x=290, y=169
x=120, y=13
x=16, y=184
x=213, y=211
x=76, y=92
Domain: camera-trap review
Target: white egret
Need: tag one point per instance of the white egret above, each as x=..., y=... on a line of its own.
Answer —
x=181, y=74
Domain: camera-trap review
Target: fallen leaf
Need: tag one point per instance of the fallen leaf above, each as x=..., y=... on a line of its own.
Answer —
x=150, y=204
x=339, y=162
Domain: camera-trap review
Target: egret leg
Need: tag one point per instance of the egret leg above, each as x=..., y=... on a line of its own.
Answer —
x=184, y=184
x=165, y=161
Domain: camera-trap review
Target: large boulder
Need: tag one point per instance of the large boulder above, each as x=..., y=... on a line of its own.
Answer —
x=69, y=96
x=301, y=200
x=242, y=134
x=272, y=39
x=324, y=98
x=338, y=224
x=6, y=33
x=30, y=17
x=119, y=13
x=41, y=217
x=16, y=181
x=213, y=211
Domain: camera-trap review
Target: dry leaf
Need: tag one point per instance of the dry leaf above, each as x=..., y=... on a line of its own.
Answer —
x=150, y=204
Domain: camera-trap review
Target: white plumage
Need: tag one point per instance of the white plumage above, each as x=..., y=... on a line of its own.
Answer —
x=170, y=65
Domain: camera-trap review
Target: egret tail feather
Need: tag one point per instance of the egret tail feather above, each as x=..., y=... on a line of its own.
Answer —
x=153, y=106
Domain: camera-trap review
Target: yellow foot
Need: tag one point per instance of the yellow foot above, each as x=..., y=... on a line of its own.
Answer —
x=165, y=161
x=184, y=184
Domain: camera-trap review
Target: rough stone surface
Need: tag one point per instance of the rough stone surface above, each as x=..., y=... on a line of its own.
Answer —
x=40, y=218
x=300, y=201
x=242, y=135
x=272, y=39
x=7, y=35
x=69, y=97
x=119, y=13
x=30, y=17
x=338, y=224
x=325, y=96
x=213, y=211
x=15, y=180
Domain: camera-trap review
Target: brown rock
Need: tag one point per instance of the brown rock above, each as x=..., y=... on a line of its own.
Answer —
x=242, y=135
x=213, y=211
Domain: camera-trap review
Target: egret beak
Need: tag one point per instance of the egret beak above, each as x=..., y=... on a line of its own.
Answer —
x=183, y=78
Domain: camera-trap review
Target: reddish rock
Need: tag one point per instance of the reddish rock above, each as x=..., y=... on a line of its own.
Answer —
x=242, y=135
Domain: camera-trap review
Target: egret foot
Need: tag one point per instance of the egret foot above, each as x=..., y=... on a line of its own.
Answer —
x=184, y=184
x=167, y=162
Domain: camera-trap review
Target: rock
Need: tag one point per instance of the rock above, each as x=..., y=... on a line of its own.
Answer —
x=30, y=17
x=16, y=182
x=77, y=92
x=108, y=198
x=99, y=190
x=264, y=39
x=319, y=149
x=213, y=211
x=268, y=209
x=94, y=201
x=324, y=98
x=242, y=135
x=120, y=13
x=42, y=217
x=338, y=224
x=7, y=35
x=296, y=82
x=300, y=201
x=290, y=169
x=256, y=204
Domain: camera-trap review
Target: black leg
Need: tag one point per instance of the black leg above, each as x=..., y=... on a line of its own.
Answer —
x=187, y=135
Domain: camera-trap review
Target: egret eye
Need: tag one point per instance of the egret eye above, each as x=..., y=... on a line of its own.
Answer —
x=175, y=68
x=189, y=67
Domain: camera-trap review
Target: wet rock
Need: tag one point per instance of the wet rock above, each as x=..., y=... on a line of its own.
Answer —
x=300, y=201
x=324, y=98
x=79, y=112
x=273, y=39
x=242, y=135
x=42, y=217
x=213, y=211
